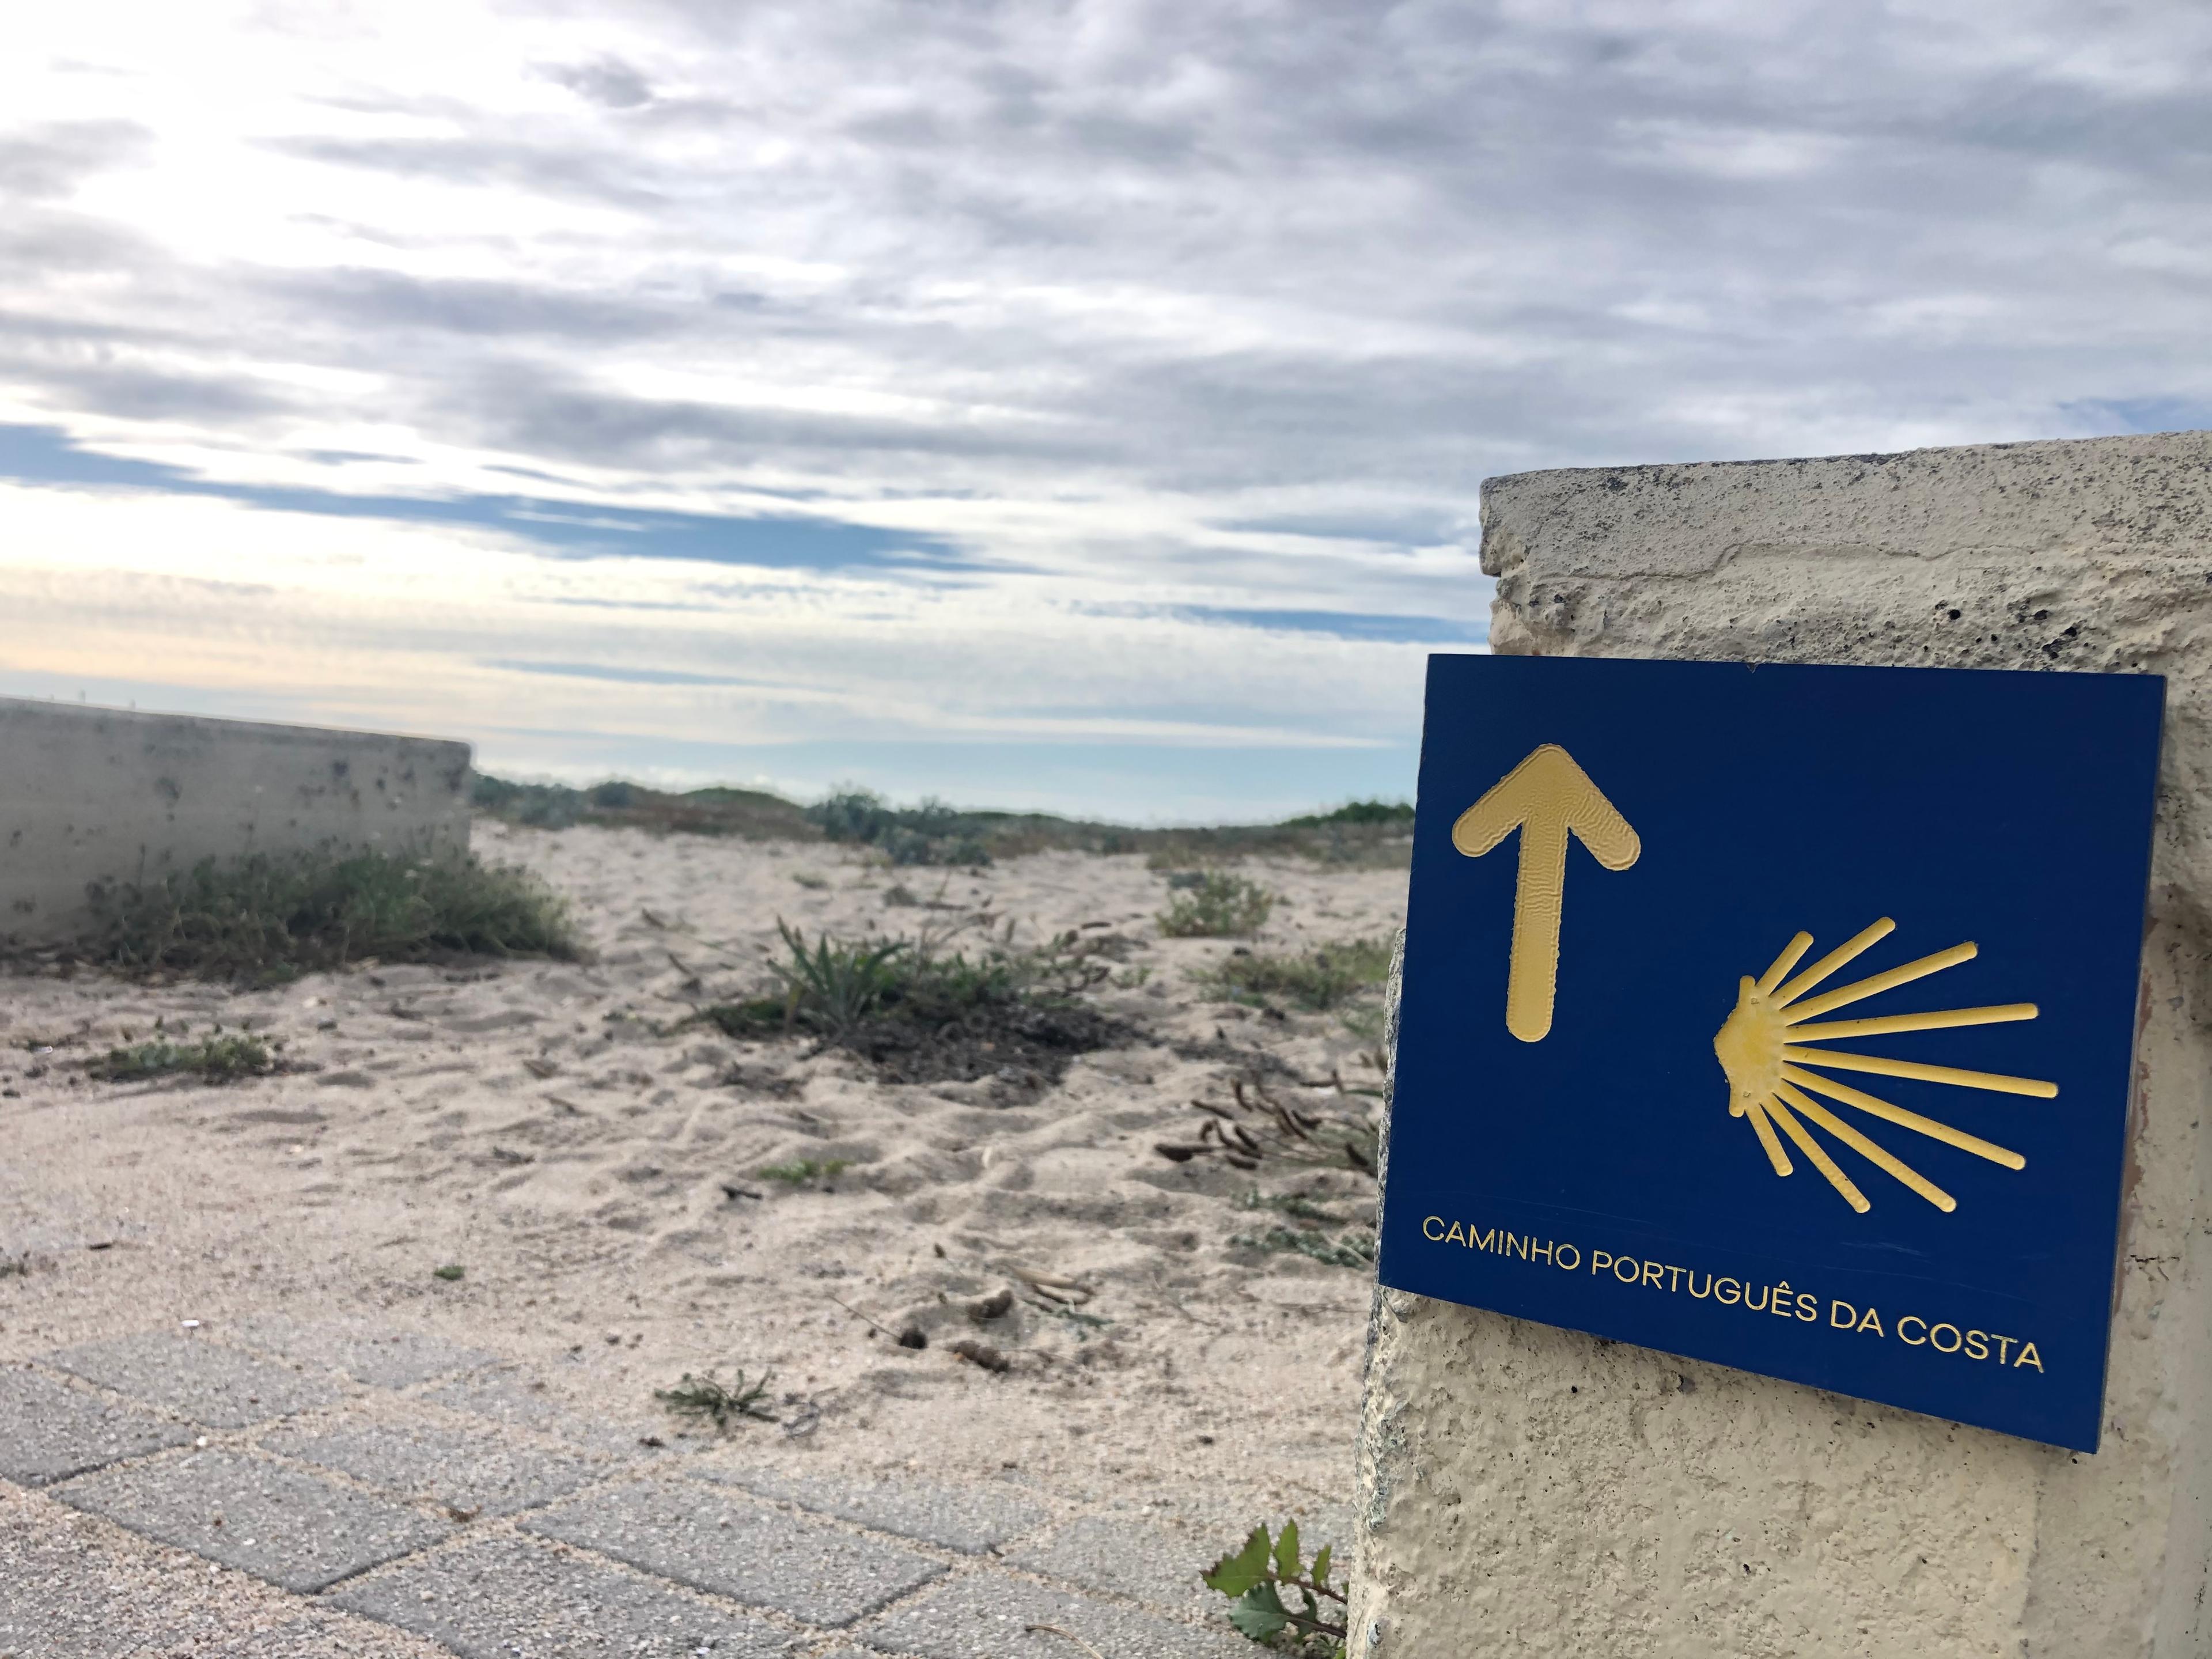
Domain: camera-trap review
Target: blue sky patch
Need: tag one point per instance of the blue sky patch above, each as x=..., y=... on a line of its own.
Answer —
x=572, y=529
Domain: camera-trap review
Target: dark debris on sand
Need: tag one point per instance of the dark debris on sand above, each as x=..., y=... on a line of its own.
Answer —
x=1027, y=1047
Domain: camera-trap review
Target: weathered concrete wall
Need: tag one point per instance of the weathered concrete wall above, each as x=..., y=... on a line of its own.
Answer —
x=1527, y=1490
x=96, y=794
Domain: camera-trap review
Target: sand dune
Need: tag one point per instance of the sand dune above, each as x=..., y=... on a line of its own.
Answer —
x=594, y=1172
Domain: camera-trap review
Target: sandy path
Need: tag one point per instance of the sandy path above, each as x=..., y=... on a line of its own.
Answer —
x=526, y=1123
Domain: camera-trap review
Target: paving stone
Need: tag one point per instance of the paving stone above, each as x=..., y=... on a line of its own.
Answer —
x=1158, y=1560
x=391, y=1358
x=479, y=1469
x=982, y=1615
x=1132, y=1558
x=73, y=1587
x=204, y=1380
x=971, y=1518
x=292, y=1529
x=714, y=1539
x=53, y=1430
x=316, y=1635
x=515, y=1598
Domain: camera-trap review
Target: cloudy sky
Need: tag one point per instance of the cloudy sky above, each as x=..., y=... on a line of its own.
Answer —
x=1073, y=405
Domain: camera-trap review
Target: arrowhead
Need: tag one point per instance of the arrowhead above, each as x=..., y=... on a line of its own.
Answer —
x=1547, y=788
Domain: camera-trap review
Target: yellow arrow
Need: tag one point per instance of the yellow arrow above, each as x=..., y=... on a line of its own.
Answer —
x=1544, y=797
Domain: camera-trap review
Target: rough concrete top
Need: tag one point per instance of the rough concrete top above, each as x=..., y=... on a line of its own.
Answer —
x=2091, y=555
x=153, y=728
x=2065, y=499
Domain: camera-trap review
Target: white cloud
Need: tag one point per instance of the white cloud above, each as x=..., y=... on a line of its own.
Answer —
x=1151, y=319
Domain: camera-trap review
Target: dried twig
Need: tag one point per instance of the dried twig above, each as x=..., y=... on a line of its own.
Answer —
x=1057, y=1289
x=862, y=1318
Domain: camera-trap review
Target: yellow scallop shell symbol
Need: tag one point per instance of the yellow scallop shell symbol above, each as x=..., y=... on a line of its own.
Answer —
x=1766, y=1049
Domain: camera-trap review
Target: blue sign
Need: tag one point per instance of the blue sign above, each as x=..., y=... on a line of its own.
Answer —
x=1780, y=1016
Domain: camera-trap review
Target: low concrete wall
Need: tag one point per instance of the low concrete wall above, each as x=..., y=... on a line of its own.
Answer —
x=1526, y=1490
x=99, y=794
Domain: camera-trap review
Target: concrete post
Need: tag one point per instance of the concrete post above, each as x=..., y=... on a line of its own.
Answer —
x=1527, y=1491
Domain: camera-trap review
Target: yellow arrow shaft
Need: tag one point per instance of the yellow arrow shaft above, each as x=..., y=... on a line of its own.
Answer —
x=1539, y=895
x=1547, y=798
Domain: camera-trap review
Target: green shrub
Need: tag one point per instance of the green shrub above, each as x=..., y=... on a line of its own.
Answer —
x=1317, y=980
x=932, y=833
x=1394, y=814
x=752, y=814
x=270, y=918
x=1219, y=906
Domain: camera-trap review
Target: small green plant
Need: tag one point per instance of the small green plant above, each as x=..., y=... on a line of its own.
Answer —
x=1255, y=1579
x=1219, y=906
x=1365, y=1020
x=1315, y=979
x=1291, y=1204
x=270, y=919
x=797, y=1171
x=212, y=1059
x=1351, y=1251
x=451, y=1273
x=838, y=983
x=754, y=1017
x=708, y=1396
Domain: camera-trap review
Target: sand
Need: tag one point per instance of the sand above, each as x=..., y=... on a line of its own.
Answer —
x=537, y=1125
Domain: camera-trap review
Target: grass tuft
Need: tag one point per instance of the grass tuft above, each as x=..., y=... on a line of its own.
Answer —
x=1219, y=906
x=1352, y=1250
x=212, y=1059
x=799, y=1170
x=1315, y=979
x=270, y=919
x=837, y=983
x=708, y=1396
x=1291, y=1204
x=923, y=1013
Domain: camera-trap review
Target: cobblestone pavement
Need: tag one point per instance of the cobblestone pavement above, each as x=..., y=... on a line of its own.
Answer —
x=290, y=1490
